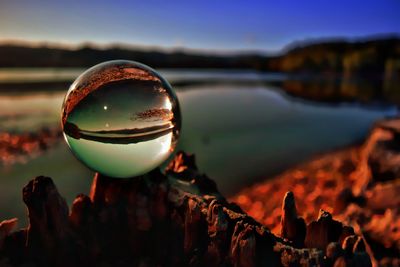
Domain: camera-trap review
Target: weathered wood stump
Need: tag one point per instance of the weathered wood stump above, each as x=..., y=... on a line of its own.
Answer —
x=174, y=219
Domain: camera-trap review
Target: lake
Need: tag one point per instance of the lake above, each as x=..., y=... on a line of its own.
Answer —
x=240, y=127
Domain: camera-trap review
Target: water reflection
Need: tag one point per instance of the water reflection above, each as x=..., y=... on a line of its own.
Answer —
x=367, y=91
x=22, y=147
x=124, y=136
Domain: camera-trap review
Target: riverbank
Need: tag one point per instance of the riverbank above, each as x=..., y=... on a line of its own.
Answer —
x=359, y=186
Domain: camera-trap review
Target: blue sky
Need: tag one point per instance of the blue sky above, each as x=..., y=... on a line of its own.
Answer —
x=205, y=24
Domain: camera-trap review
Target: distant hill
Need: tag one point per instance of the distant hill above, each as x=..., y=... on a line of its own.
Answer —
x=23, y=56
x=373, y=57
x=367, y=57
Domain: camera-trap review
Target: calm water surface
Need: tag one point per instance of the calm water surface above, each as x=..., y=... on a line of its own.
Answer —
x=239, y=132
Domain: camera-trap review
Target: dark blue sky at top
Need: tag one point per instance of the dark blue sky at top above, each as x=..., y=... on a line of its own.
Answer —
x=205, y=24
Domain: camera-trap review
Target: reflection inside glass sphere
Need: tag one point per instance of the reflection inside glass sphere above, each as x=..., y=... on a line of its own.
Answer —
x=121, y=118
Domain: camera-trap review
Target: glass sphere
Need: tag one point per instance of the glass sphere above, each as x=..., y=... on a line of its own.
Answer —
x=121, y=118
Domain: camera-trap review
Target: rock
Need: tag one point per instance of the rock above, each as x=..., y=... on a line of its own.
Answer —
x=156, y=220
x=346, y=231
x=6, y=227
x=358, y=260
x=184, y=167
x=293, y=227
x=323, y=231
x=195, y=228
x=243, y=245
x=333, y=251
x=349, y=244
x=81, y=211
x=48, y=236
x=362, y=260
x=353, y=253
x=359, y=245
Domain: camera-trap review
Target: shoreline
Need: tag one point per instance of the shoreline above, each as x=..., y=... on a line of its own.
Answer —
x=359, y=185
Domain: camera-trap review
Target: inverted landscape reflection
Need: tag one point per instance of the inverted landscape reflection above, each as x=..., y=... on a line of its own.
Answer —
x=121, y=119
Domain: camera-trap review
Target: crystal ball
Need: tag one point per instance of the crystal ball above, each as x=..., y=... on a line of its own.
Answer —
x=121, y=118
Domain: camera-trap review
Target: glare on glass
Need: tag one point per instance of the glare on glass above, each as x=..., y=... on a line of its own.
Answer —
x=121, y=118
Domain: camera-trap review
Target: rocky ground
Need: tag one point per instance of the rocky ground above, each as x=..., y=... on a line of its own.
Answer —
x=174, y=219
x=359, y=186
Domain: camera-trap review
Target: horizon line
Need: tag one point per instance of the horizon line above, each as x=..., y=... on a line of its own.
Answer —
x=210, y=51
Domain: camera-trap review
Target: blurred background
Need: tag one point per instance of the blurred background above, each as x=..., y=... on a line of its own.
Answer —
x=263, y=85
